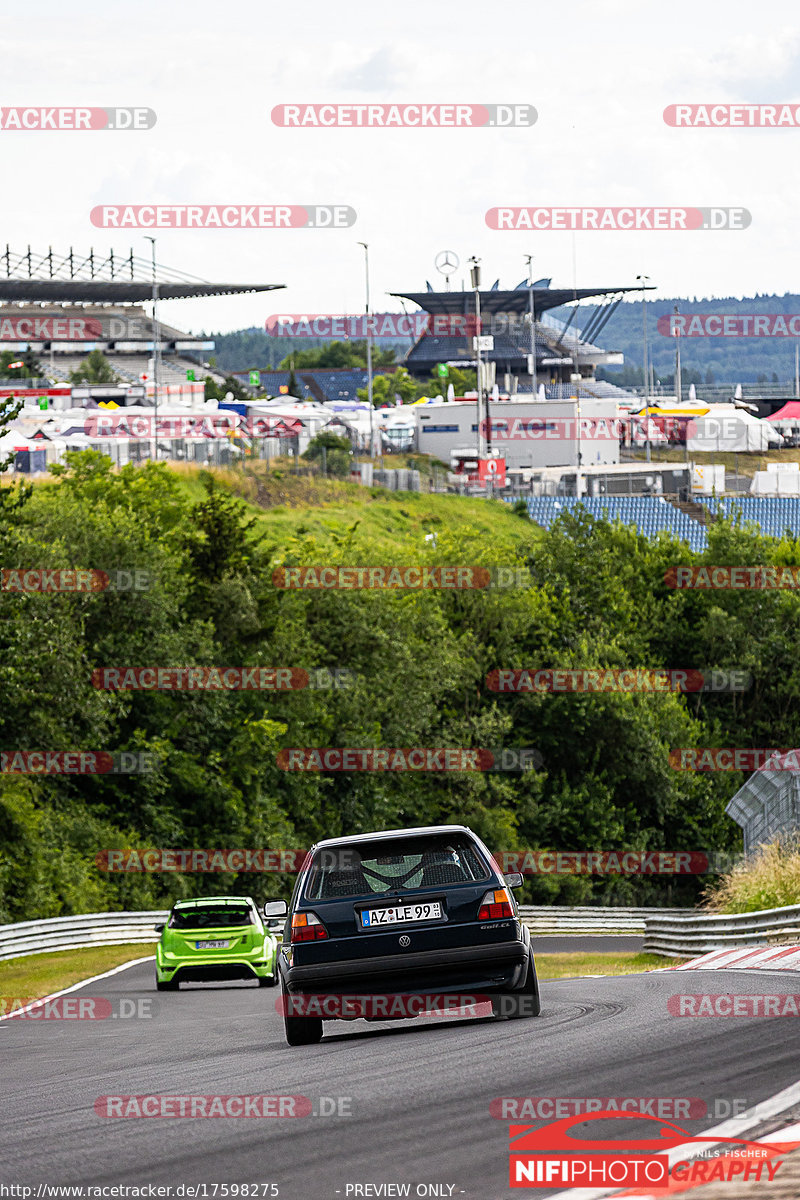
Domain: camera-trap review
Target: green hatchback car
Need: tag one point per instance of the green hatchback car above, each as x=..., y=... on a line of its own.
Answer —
x=216, y=937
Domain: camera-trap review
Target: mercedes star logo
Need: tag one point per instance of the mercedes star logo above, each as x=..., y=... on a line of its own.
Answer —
x=405, y=940
x=446, y=261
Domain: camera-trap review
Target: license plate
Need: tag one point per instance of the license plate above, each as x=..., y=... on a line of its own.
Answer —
x=400, y=913
x=211, y=945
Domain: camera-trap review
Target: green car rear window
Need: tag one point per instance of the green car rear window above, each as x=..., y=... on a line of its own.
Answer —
x=210, y=918
x=407, y=864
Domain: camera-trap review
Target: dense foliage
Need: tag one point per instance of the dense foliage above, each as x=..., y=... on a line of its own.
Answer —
x=418, y=662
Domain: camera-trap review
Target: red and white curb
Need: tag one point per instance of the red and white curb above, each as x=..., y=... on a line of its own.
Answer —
x=762, y=958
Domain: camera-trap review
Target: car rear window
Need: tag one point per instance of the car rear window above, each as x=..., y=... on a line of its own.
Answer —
x=210, y=918
x=407, y=864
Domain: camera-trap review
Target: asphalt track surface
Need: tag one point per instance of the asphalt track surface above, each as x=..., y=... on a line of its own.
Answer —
x=418, y=1091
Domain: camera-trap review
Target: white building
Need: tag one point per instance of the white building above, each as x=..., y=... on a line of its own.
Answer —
x=528, y=433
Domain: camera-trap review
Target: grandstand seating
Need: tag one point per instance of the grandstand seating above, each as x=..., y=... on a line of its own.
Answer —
x=774, y=515
x=130, y=367
x=650, y=514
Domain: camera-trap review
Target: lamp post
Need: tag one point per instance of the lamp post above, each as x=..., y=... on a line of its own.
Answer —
x=475, y=280
x=369, y=355
x=645, y=280
x=152, y=241
x=529, y=260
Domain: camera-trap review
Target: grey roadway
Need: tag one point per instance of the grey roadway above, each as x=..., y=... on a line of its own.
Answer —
x=419, y=1092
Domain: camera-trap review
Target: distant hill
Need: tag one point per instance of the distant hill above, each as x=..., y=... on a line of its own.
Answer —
x=729, y=360
x=245, y=348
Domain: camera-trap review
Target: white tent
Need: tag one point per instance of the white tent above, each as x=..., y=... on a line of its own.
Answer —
x=728, y=428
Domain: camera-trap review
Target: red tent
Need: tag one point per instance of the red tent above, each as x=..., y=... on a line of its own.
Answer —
x=789, y=412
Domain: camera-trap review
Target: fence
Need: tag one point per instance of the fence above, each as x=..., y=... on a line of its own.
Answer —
x=677, y=934
x=69, y=933
x=543, y=919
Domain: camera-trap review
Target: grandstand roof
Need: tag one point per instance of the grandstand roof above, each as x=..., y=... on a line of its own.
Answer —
x=98, y=291
x=99, y=278
x=514, y=301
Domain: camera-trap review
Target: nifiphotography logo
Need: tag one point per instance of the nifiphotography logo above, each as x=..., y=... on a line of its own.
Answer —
x=554, y=1156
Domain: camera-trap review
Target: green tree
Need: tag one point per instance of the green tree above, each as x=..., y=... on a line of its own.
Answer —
x=219, y=391
x=95, y=369
x=338, y=354
x=334, y=451
x=384, y=388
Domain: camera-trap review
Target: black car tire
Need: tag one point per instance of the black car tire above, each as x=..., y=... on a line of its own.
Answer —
x=300, y=1031
x=270, y=980
x=523, y=1003
x=164, y=985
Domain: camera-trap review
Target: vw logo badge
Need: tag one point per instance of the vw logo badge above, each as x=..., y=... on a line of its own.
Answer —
x=405, y=940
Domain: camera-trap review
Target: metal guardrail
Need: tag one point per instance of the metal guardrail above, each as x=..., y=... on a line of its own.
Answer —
x=678, y=934
x=552, y=918
x=125, y=928
x=70, y=933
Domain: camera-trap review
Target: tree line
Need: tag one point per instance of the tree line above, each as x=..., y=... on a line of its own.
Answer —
x=415, y=664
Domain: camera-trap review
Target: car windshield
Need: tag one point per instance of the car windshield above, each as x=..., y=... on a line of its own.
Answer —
x=405, y=864
x=206, y=917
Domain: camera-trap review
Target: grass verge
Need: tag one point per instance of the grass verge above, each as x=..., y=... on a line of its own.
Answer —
x=38, y=975
x=567, y=965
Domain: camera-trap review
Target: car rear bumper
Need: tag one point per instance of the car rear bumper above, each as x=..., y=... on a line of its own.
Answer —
x=216, y=971
x=168, y=969
x=495, y=968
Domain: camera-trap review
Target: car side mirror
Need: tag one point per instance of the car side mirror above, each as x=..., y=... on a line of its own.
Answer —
x=159, y=928
x=275, y=908
x=514, y=881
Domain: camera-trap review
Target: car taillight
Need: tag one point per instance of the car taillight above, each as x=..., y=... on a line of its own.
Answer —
x=496, y=904
x=307, y=928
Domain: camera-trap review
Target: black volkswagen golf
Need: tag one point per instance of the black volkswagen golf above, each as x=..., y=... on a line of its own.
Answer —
x=394, y=924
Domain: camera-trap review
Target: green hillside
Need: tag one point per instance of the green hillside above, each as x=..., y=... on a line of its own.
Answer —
x=413, y=665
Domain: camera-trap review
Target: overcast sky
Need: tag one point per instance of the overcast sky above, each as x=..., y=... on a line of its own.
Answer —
x=599, y=75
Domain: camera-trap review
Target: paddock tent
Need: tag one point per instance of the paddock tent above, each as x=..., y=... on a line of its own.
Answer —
x=788, y=417
x=728, y=428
